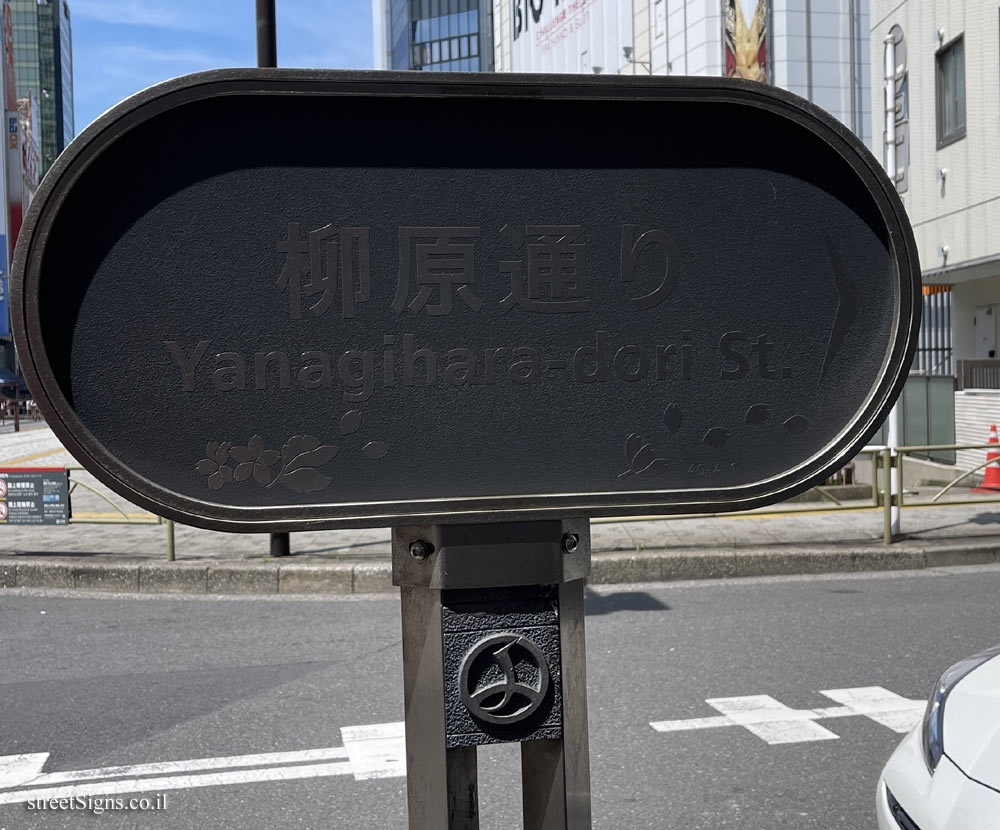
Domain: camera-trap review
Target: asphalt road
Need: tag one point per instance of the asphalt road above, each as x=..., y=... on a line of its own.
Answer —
x=100, y=681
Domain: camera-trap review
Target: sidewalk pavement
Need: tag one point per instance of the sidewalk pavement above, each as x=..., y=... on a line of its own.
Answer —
x=790, y=539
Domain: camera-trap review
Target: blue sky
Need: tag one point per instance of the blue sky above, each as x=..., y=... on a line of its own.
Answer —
x=122, y=46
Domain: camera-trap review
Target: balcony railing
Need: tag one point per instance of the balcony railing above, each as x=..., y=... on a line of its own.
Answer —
x=978, y=374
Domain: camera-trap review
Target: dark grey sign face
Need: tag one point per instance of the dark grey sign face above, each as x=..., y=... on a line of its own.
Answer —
x=260, y=300
x=34, y=496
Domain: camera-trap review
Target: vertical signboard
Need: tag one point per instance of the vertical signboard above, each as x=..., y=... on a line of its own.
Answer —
x=10, y=94
x=9, y=78
x=30, y=159
x=13, y=147
x=745, y=39
x=585, y=36
x=4, y=290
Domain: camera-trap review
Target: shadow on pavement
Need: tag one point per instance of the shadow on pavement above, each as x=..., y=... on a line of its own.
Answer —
x=980, y=519
x=75, y=554
x=986, y=519
x=596, y=604
x=348, y=548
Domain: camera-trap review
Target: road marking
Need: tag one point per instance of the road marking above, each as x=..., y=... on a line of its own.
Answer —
x=196, y=764
x=14, y=769
x=376, y=751
x=770, y=720
x=776, y=723
x=178, y=782
x=369, y=752
x=14, y=462
x=880, y=705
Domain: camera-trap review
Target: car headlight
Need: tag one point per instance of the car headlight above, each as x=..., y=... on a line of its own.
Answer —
x=933, y=725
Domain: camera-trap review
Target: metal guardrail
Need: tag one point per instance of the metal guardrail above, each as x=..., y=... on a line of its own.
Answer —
x=883, y=459
x=123, y=517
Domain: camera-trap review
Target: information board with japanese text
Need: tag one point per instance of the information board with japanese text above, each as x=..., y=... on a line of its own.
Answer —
x=34, y=496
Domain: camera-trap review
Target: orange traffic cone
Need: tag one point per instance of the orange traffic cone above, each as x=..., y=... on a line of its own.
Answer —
x=991, y=478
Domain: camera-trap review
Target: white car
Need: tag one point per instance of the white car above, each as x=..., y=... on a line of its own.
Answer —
x=945, y=775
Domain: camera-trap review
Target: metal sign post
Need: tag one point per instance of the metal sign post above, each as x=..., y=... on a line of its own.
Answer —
x=480, y=343
x=267, y=55
x=493, y=652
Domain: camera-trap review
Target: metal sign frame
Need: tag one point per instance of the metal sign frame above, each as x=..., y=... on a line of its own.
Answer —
x=267, y=82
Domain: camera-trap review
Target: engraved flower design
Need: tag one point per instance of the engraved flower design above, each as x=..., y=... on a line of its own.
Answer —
x=295, y=466
x=254, y=459
x=214, y=465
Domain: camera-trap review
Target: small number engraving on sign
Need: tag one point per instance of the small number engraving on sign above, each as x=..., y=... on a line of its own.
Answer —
x=711, y=469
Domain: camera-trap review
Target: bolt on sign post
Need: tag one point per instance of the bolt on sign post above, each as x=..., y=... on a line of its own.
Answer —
x=477, y=340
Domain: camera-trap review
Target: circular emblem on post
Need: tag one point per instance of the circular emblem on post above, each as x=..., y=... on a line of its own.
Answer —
x=504, y=679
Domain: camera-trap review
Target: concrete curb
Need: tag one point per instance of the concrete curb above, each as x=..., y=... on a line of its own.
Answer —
x=375, y=577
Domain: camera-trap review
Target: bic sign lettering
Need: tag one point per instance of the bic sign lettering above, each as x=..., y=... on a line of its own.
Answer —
x=520, y=16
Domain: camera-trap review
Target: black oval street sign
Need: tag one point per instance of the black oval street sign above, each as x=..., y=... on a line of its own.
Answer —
x=266, y=300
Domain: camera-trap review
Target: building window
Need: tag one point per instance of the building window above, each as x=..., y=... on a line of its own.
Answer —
x=951, y=92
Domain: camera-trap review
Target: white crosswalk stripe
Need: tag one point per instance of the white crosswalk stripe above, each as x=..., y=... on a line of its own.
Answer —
x=898, y=713
x=776, y=723
x=372, y=751
x=770, y=720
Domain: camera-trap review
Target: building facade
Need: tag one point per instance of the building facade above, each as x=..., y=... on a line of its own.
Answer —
x=433, y=35
x=818, y=49
x=43, y=66
x=936, y=78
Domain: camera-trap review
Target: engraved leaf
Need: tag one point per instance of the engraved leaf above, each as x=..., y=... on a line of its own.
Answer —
x=305, y=480
x=796, y=425
x=758, y=414
x=261, y=474
x=239, y=454
x=673, y=417
x=243, y=471
x=716, y=437
x=215, y=481
x=268, y=458
x=206, y=466
x=632, y=445
x=375, y=449
x=296, y=445
x=657, y=467
x=211, y=449
x=350, y=422
x=314, y=458
x=226, y=473
x=644, y=457
x=255, y=446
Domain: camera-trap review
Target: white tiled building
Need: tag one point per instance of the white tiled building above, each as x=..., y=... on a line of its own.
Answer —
x=944, y=69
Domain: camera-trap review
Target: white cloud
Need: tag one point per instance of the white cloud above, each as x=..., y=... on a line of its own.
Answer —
x=177, y=16
x=128, y=13
x=136, y=56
